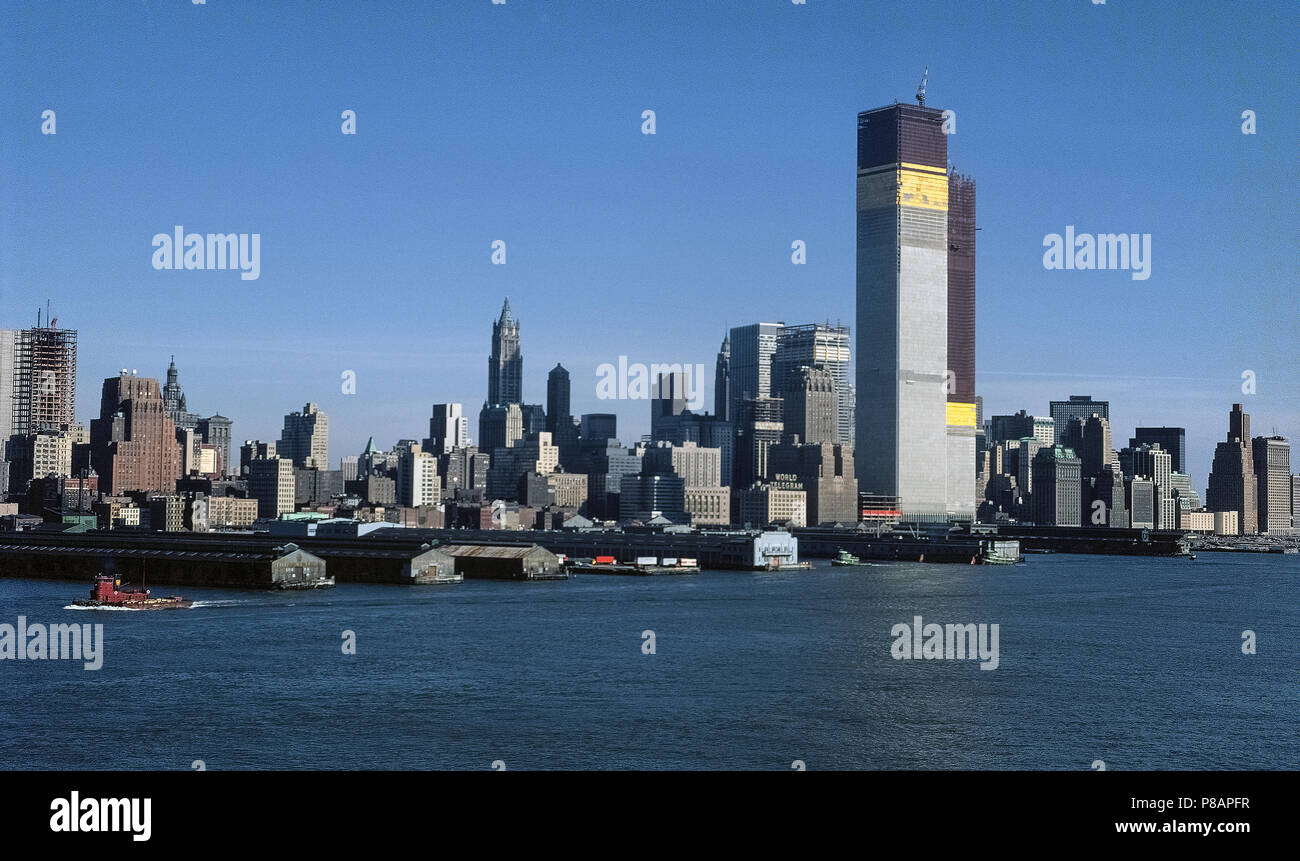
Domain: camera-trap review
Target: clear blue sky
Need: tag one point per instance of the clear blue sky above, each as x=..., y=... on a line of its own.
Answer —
x=522, y=122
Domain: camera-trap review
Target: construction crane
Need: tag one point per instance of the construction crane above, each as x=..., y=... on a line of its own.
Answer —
x=920, y=92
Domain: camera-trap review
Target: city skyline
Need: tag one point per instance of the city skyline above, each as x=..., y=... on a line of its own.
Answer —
x=1172, y=350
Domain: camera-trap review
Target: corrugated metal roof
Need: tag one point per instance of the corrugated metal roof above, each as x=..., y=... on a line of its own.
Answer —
x=492, y=551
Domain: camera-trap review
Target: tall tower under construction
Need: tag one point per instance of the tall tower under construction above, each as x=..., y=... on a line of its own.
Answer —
x=43, y=381
x=915, y=445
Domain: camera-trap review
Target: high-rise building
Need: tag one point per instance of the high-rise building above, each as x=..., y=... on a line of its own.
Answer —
x=1172, y=440
x=37, y=455
x=8, y=346
x=811, y=410
x=463, y=469
x=534, y=418
x=964, y=406
x=1272, y=465
x=667, y=401
x=271, y=482
x=448, y=429
x=1143, y=506
x=644, y=496
x=559, y=415
x=1077, y=407
x=174, y=400
x=598, y=427
x=759, y=426
x=535, y=453
x=825, y=472
x=417, y=478
x=215, y=431
x=961, y=288
x=698, y=467
x=557, y=398
x=782, y=500
x=251, y=450
x=1021, y=425
x=752, y=349
x=1103, y=480
x=1295, y=502
x=1233, y=484
x=605, y=470
x=42, y=384
x=500, y=426
x=133, y=442
x=1056, y=497
x=902, y=447
x=506, y=362
x=817, y=345
x=305, y=438
x=1152, y=462
x=722, y=380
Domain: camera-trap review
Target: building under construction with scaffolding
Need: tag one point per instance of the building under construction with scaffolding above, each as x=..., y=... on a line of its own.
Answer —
x=44, y=380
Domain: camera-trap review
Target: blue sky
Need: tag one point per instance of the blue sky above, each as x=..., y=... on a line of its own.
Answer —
x=522, y=122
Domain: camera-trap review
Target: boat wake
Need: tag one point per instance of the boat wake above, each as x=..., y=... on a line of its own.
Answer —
x=117, y=609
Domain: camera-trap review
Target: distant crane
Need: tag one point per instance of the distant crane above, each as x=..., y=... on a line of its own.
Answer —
x=920, y=92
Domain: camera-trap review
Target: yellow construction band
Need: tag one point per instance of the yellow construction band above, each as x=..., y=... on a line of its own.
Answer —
x=961, y=415
x=923, y=189
x=924, y=168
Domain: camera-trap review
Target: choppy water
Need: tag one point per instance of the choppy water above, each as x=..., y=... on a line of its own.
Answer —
x=1136, y=662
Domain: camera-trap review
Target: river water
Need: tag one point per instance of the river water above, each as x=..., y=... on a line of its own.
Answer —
x=1135, y=662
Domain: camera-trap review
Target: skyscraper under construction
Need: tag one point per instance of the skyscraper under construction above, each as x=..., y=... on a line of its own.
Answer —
x=41, y=378
x=915, y=435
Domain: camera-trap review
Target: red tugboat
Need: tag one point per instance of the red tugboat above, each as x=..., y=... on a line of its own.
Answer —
x=108, y=591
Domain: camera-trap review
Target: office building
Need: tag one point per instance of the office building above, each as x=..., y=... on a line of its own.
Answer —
x=902, y=314
x=1057, y=482
x=559, y=415
x=534, y=453
x=133, y=442
x=1021, y=425
x=251, y=450
x=1233, y=485
x=781, y=500
x=271, y=482
x=825, y=473
x=215, y=431
x=645, y=496
x=1272, y=466
x=506, y=362
x=305, y=438
x=667, y=401
x=722, y=380
x=448, y=429
x=1077, y=407
x=606, y=467
x=1143, y=506
x=759, y=426
x=417, y=478
x=500, y=426
x=811, y=409
x=752, y=349
x=1172, y=440
x=817, y=345
x=598, y=427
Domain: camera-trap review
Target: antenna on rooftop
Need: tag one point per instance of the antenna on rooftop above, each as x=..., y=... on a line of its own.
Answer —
x=920, y=92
